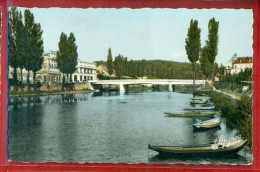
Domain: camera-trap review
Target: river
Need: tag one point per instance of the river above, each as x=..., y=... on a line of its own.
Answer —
x=108, y=127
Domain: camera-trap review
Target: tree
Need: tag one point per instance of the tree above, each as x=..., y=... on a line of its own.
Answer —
x=205, y=63
x=13, y=15
x=67, y=56
x=37, y=51
x=193, y=45
x=62, y=54
x=118, y=66
x=73, y=55
x=30, y=43
x=109, y=62
x=212, y=43
x=17, y=42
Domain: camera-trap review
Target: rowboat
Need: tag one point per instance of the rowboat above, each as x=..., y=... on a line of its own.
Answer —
x=216, y=148
x=200, y=98
x=199, y=108
x=191, y=114
x=202, y=101
x=208, y=123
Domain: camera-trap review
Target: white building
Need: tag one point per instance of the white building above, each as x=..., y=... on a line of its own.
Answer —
x=85, y=71
x=239, y=64
x=50, y=74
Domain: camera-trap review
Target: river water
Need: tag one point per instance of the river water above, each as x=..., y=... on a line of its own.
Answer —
x=108, y=127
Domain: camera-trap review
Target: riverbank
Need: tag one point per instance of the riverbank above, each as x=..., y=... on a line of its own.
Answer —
x=45, y=93
x=236, y=109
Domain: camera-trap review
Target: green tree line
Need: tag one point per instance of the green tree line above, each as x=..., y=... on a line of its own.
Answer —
x=25, y=45
x=152, y=69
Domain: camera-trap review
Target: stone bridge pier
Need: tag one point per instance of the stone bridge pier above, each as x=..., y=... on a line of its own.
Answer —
x=123, y=88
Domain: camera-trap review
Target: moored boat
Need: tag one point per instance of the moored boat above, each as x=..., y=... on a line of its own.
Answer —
x=208, y=123
x=199, y=108
x=216, y=148
x=200, y=98
x=202, y=101
x=191, y=114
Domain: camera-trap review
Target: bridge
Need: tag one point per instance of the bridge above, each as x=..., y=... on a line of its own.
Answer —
x=123, y=84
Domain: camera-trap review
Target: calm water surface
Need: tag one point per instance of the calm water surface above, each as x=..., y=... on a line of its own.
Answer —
x=107, y=127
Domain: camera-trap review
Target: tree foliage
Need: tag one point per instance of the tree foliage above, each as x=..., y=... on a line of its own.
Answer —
x=205, y=63
x=17, y=42
x=245, y=75
x=193, y=42
x=67, y=55
x=109, y=62
x=37, y=51
x=212, y=42
x=193, y=45
x=25, y=43
x=153, y=69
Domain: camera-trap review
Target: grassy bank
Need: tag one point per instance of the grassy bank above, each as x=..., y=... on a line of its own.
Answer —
x=237, y=112
x=45, y=93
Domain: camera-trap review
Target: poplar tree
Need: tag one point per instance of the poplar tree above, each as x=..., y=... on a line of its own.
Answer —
x=67, y=56
x=29, y=24
x=12, y=55
x=109, y=62
x=118, y=65
x=212, y=43
x=62, y=55
x=204, y=62
x=193, y=45
x=37, y=51
x=72, y=56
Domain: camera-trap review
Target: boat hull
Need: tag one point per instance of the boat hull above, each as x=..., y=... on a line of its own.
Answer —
x=208, y=150
x=190, y=115
x=207, y=125
x=200, y=108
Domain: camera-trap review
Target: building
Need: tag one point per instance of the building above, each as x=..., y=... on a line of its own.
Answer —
x=50, y=74
x=19, y=78
x=238, y=64
x=85, y=71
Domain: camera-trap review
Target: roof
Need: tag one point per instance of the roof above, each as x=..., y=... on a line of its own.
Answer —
x=243, y=60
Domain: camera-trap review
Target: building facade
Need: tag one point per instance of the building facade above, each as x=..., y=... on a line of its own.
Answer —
x=239, y=64
x=85, y=71
x=50, y=74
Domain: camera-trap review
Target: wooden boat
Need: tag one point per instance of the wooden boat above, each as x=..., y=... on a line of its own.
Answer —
x=199, y=108
x=191, y=114
x=208, y=123
x=200, y=98
x=202, y=101
x=216, y=148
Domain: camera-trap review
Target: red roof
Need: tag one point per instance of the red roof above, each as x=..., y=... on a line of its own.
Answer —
x=243, y=60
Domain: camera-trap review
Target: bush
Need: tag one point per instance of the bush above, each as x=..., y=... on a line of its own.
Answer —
x=237, y=112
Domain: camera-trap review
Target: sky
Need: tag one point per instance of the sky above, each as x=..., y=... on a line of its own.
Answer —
x=144, y=33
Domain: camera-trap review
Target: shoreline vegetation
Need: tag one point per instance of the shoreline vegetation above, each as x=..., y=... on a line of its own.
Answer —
x=236, y=109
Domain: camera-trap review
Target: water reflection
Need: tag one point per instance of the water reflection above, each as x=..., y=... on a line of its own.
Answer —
x=26, y=121
x=67, y=128
x=198, y=159
x=104, y=127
